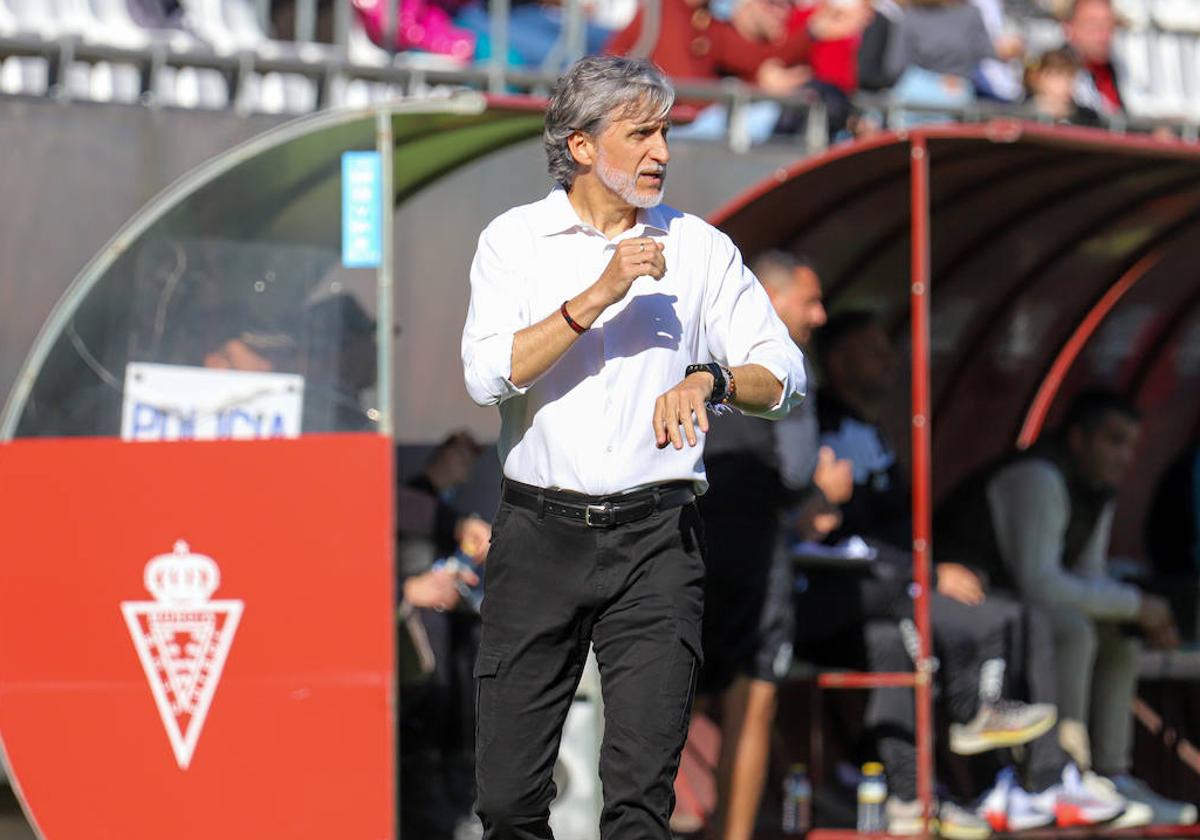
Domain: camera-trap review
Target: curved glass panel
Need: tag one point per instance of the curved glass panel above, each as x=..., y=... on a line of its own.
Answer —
x=231, y=316
x=226, y=308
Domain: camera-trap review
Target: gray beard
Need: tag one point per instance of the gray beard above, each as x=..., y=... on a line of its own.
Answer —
x=626, y=185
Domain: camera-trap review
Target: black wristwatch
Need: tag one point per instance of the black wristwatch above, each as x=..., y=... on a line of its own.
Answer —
x=724, y=389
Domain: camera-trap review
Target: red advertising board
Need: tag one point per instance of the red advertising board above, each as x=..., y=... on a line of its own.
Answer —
x=196, y=638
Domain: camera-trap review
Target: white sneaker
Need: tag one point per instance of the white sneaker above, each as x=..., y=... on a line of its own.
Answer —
x=1163, y=811
x=1007, y=807
x=1077, y=801
x=951, y=822
x=955, y=823
x=1006, y=723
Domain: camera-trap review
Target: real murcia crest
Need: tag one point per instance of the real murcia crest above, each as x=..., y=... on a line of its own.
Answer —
x=182, y=639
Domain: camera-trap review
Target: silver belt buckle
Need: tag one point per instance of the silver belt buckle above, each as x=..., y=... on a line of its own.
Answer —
x=604, y=510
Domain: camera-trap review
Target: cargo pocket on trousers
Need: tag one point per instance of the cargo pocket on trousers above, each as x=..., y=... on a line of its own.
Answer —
x=682, y=675
x=487, y=667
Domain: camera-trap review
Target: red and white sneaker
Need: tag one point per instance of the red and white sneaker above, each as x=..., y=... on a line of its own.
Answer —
x=1007, y=807
x=1075, y=804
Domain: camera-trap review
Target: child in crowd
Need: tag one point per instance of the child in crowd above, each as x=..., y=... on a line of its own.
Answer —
x=1051, y=82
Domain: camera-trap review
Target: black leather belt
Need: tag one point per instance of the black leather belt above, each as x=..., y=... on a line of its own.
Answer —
x=599, y=511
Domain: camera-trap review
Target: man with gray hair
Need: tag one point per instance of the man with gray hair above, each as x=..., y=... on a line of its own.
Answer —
x=604, y=326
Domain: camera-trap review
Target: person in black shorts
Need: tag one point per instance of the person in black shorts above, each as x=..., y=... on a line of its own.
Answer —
x=754, y=481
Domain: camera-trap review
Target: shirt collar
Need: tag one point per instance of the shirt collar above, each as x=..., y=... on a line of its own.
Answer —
x=555, y=214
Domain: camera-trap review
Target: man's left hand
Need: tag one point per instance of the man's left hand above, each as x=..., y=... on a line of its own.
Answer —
x=675, y=408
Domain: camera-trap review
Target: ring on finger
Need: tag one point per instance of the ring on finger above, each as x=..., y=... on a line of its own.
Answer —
x=641, y=247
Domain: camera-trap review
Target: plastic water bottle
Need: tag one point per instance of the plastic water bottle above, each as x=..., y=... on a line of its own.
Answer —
x=872, y=793
x=797, y=801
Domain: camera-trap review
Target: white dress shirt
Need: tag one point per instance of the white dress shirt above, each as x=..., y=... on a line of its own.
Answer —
x=585, y=425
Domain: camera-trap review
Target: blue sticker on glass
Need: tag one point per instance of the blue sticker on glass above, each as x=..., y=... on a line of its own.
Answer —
x=362, y=210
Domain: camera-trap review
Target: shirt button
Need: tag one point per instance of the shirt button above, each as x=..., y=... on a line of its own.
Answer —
x=608, y=449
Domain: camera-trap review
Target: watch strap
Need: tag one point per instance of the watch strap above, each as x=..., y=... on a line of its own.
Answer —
x=722, y=377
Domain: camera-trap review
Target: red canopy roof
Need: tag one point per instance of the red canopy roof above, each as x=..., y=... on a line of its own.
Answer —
x=1060, y=258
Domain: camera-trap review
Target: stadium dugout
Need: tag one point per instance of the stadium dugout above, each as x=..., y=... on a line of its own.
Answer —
x=1019, y=265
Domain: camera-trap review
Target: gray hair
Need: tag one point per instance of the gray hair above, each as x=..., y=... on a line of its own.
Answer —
x=595, y=91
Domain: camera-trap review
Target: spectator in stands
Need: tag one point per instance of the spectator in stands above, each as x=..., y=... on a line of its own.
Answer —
x=420, y=25
x=1089, y=29
x=934, y=50
x=697, y=41
x=745, y=39
x=872, y=50
x=835, y=29
x=535, y=32
x=754, y=478
x=1038, y=522
x=437, y=709
x=999, y=78
x=1051, y=83
x=1172, y=537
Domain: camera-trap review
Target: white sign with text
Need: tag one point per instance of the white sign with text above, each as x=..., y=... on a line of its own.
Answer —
x=174, y=402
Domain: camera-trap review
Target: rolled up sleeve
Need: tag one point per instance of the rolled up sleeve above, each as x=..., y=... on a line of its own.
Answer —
x=496, y=313
x=743, y=329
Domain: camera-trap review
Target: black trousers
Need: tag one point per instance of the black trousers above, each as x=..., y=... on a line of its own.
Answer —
x=844, y=619
x=635, y=592
x=836, y=606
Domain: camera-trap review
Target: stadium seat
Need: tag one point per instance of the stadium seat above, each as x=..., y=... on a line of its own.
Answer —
x=1132, y=48
x=35, y=18
x=28, y=75
x=364, y=52
x=115, y=25
x=8, y=20
x=1041, y=35
x=1176, y=15
x=103, y=81
x=1135, y=13
x=1190, y=55
x=233, y=26
x=1167, y=75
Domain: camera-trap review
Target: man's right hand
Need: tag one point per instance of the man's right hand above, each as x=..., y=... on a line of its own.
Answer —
x=1157, y=623
x=632, y=259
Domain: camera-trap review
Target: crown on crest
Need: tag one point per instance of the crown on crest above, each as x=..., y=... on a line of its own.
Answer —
x=182, y=577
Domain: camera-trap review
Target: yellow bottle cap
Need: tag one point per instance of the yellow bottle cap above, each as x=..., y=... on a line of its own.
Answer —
x=872, y=768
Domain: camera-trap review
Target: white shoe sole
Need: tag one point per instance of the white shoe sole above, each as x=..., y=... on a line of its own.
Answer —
x=964, y=743
x=1030, y=822
x=961, y=832
x=909, y=827
x=1136, y=815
